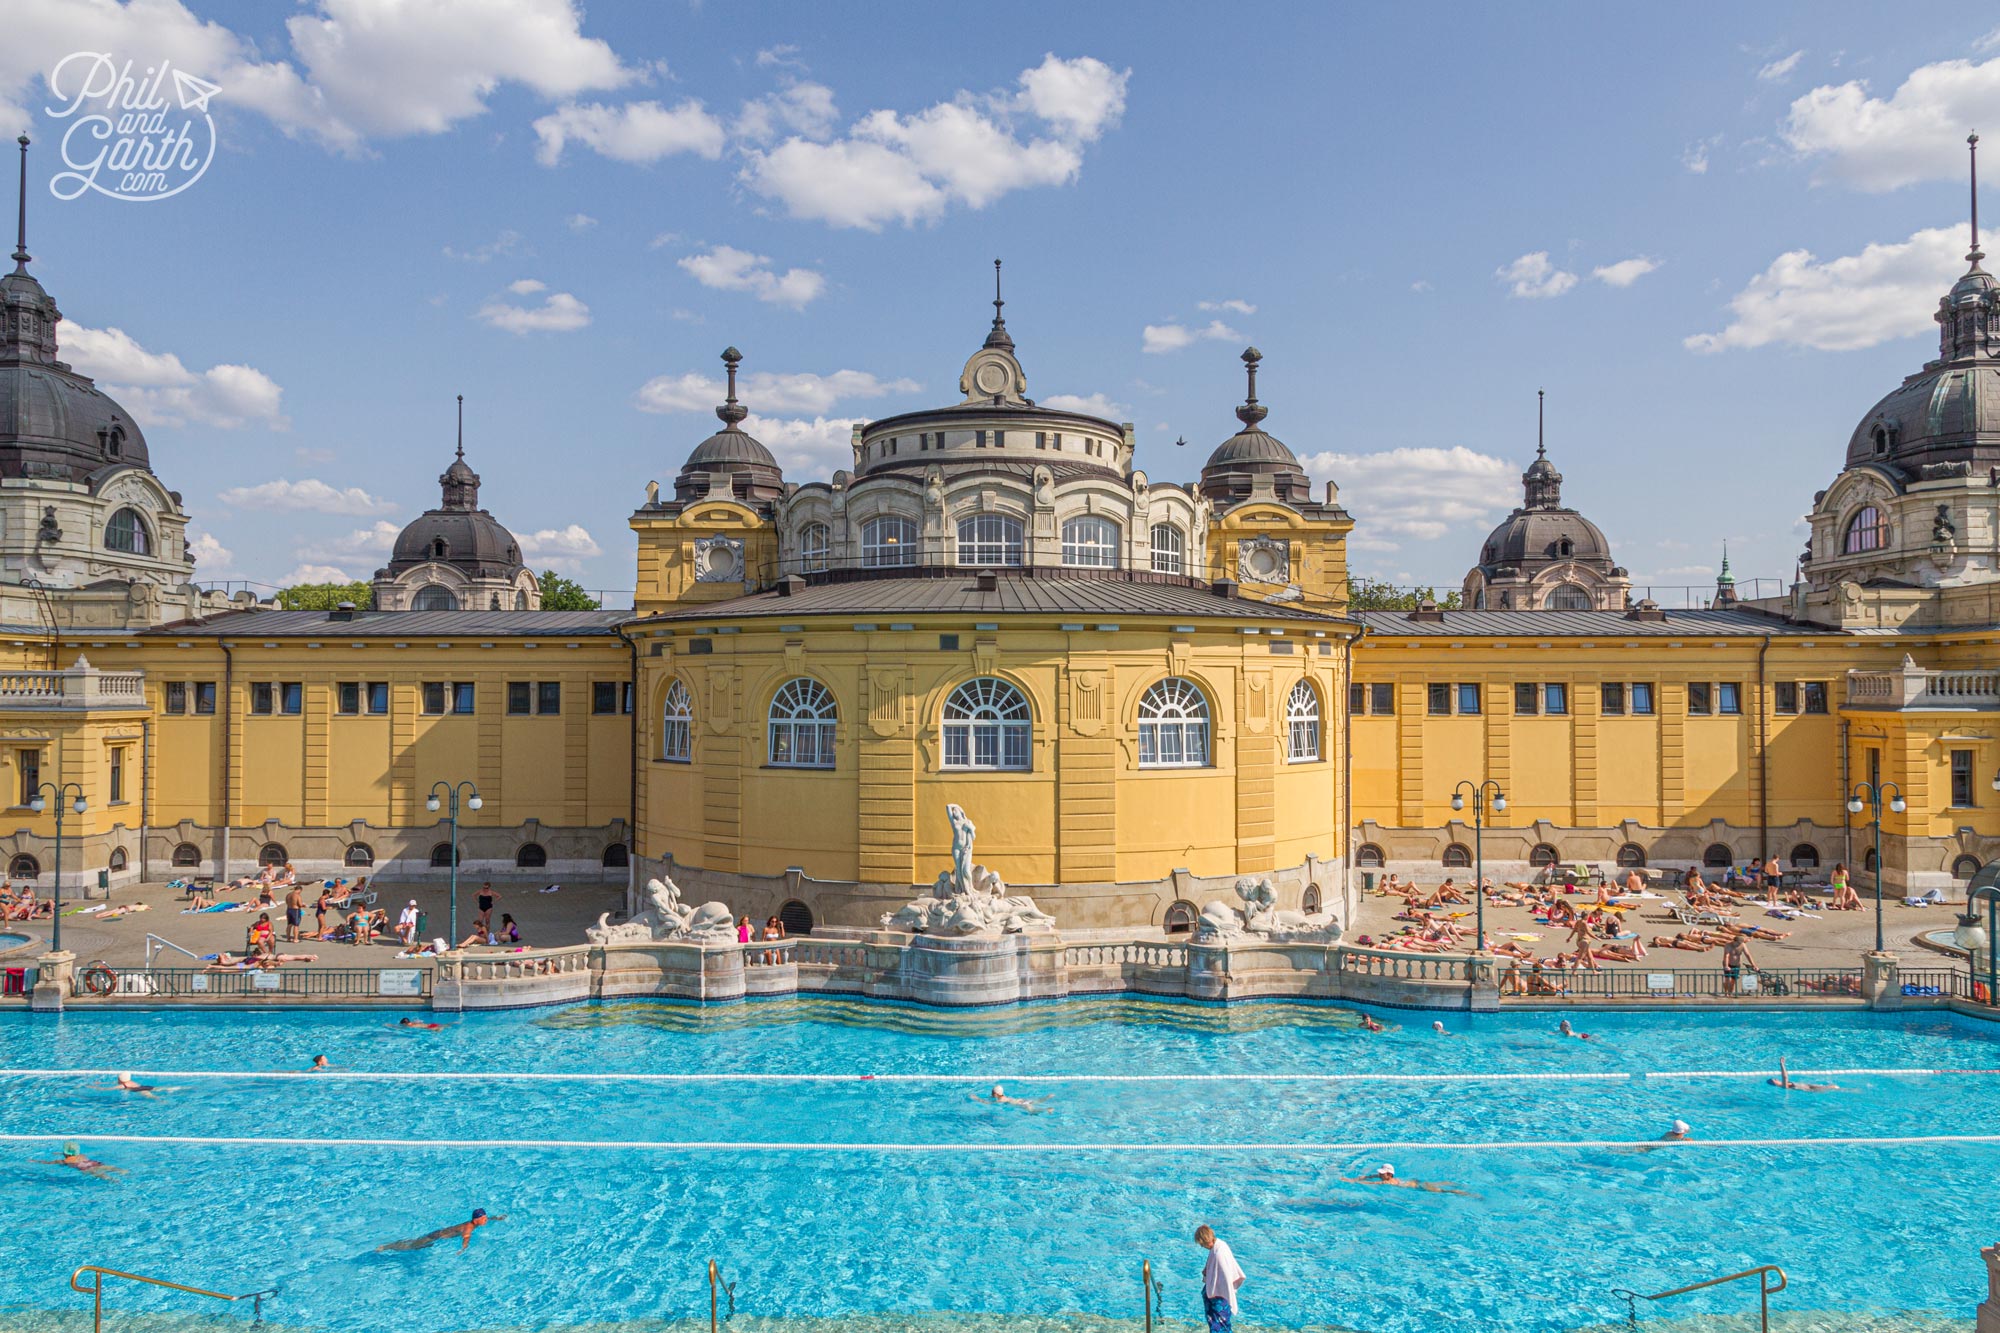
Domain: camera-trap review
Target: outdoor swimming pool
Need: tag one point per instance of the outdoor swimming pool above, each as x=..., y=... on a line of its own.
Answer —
x=629, y=1143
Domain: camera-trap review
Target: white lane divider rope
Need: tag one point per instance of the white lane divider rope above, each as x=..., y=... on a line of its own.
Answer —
x=698, y=1145
x=504, y=1076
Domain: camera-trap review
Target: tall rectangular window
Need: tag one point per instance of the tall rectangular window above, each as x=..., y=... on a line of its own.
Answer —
x=1961, y=777
x=604, y=696
x=1525, y=702
x=519, y=698
x=1611, y=698
x=461, y=697
x=177, y=696
x=1728, y=697
x=117, y=774
x=291, y=697
x=625, y=696
x=1440, y=700
x=349, y=703
x=1382, y=698
x=31, y=774
x=1784, y=696
x=1875, y=768
x=204, y=696
x=1468, y=700
x=262, y=697
x=434, y=696
x=378, y=697
x=1555, y=699
x=1698, y=699
x=548, y=697
x=1814, y=692
x=979, y=439
x=1357, y=697
x=1642, y=699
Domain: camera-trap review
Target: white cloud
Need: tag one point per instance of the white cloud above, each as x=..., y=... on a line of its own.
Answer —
x=782, y=56
x=969, y=151
x=1095, y=404
x=727, y=269
x=635, y=132
x=1887, y=291
x=580, y=222
x=559, y=312
x=812, y=448
x=769, y=391
x=1625, y=272
x=311, y=494
x=562, y=549
x=1234, y=305
x=1695, y=156
x=1159, y=338
x=370, y=544
x=1534, y=277
x=1779, y=69
x=799, y=108
x=157, y=389
x=1916, y=134
x=506, y=243
x=208, y=553
x=1420, y=494
x=309, y=573
x=1990, y=42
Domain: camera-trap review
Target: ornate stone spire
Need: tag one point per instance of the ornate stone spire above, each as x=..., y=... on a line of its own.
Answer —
x=459, y=484
x=730, y=411
x=28, y=315
x=1974, y=255
x=1541, y=483
x=1252, y=411
x=998, y=335
x=1969, y=315
x=21, y=226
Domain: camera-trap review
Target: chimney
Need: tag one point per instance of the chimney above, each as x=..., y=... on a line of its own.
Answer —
x=1426, y=611
x=986, y=581
x=791, y=585
x=1223, y=587
x=343, y=611
x=1646, y=609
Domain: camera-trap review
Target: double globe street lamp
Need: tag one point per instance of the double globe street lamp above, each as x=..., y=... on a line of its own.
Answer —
x=39, y=804
x=1874, y=793
x=452, y=793
x=1481, y=795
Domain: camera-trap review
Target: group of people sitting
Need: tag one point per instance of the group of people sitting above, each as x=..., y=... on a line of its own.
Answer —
x=23, y=905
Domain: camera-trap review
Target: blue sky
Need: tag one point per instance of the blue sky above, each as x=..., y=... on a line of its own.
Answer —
x=1715, y=243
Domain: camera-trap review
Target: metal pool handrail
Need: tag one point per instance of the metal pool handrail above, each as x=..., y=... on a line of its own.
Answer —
x=1764, y=1293
x=1150, y=1292
x=715, y=1284
x=96, y=1292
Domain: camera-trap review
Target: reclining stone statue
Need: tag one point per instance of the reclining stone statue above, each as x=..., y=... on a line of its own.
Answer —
x=663, y=918
x=1260, y=916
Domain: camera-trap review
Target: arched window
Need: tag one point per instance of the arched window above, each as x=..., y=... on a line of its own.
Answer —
x=1565, y=547
x=1567, y=597
x=802, y=720
x=117, y=861
x=114, y=442
x=1881, y=437
x=1541, y=854
x=1301, y=724
x=273, y=854
x=1964, y=868
x=439, y=549
x=441, y=856
x=127, y=532
x=617, y=857
x=986, y=725
x=989, y=539
x=24, y=866
x=1173, y=725
x=1805, y=856
x=1716, y=855
x=1180, y=918
x=796, y=917
x=677, y=725
x=358, y=854
x=1457, y=856
x=888, y=542
x=1868, y=530
x=1368, y=856
x=531, y=856
x=814, y=543
x=434, y=597
x=1869, y=862
x=186, y=855
x=1632, y=856
x=1309, y=904
x=520, y=599
x=1169, y=549
x=1090, y=542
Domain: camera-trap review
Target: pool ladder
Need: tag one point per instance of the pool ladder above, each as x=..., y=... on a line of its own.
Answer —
x=1765, y=1290
x=717, y=1289
x=1150, y=1292
x=96, y=1292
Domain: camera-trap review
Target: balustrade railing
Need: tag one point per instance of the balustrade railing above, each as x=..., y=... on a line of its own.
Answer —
x=518, y=967
x=1404, y=966
x=76, y=688
x=1918, y=687
x=98, y=981
x=1127, y=953
x=768, y=953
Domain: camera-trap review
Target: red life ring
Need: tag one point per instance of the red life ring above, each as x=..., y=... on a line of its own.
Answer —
x=99, y=979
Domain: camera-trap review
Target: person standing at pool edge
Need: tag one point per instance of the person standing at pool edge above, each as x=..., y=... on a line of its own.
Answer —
x=1220, y=1277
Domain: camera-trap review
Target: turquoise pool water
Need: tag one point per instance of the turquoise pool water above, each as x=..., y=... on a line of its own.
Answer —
x=628, y=1144
x=10, y=940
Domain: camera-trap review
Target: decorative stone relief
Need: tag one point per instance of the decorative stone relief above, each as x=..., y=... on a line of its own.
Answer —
x=1263, y=559
x=1086, y=714
x=1220, y=922
x=663, y=918
x=718, y=712
x=718, y=560
x=967, y=899
x=885, y=700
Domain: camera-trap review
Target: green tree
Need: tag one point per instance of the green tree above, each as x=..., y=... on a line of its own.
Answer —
x=561, y=594
x=326, y=596
x=1375, y=595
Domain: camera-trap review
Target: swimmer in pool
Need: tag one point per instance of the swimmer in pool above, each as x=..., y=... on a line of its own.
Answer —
x=1784, y=1080
x=72, y=1157
x=999, y=1097
x=1564, y=1029
x=420, y=1024
x=319, y=1065
x=462, y=1230
x=1385, y=1174
x=1370, y=1023
x=126, y=1083
x=1678, y=1134
x=1438, y=1027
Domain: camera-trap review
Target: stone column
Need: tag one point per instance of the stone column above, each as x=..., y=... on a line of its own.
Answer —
x=1989, y=1309
x=53, y=971
x=1881, y=982
x=1483, y=972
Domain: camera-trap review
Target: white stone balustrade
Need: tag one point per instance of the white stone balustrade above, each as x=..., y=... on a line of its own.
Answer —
x=1912, y=686
x=82, y=686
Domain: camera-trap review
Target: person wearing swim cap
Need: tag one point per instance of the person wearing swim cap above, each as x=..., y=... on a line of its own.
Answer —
x=999, y=1097
x=1678, y=1134
x=462, y=1230
x=73, y=1158
x=1385, y=1174
x=1566, y=1030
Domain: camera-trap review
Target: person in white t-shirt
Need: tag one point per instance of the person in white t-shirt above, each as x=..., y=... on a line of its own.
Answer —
x=406, y=924
x=1220, y=1277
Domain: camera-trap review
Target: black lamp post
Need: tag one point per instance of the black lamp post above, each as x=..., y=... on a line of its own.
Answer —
x=1479, y=800
x=39, y=804
x=453, y=791
x=1874, y=793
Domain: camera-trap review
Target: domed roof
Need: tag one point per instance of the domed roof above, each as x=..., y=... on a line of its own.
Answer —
x=732, y=451
x=1530, y=536
x=1231, y=472
x=458, y=532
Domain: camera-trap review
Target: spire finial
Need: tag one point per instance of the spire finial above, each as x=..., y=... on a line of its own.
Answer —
x=1252, y=411
x=731, y=411
x=21, y=230
x=461, y=428
x=1541, y=445
x=1974, y=255
x=999, y=337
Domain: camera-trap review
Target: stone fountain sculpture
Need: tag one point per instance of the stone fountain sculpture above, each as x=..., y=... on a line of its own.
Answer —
x=664, y=918
x=968, y=898
x=1259, y=917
